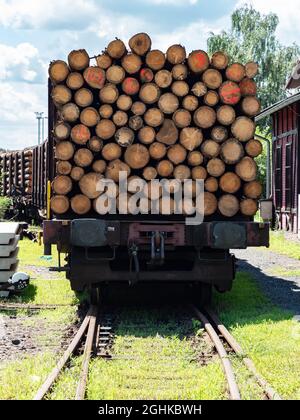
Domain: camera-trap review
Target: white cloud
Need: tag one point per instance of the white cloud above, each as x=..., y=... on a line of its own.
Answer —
x=174, y=2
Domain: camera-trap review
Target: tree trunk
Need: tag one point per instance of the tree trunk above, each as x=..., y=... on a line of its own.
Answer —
x=59, y=204
x=228, y=205
x=243, y=128
x=80, y=204
x=83, y=157
x=62, y=184
x=232, y=151
x=246, y=169
x=78, y=60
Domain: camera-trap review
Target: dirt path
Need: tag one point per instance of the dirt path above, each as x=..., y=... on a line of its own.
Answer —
x=277, y=275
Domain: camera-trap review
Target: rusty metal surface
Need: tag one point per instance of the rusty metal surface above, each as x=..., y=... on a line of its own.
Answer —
x=174, y=233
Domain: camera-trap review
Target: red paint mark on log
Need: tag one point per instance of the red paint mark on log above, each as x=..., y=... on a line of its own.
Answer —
x=93, y=75
x=130, y=86
x=230, y=93
x=146, y=75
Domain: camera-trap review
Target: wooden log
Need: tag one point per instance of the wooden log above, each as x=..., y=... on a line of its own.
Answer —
x=89, y=116
x=253, y=189
x=109, y=94
x=225, y=114
x=168, y=103
x=94, y=77
x=138, y=108
x=232, y=151
x=210, y=204
x=211, y=98
x=149, y=173
x=59, y=204
x=131, y=63
x=199, y=89
x=211, y=184
x=115, y=167
x=182, y=172
x=106, y=110
x=95, y=144
x=130, y=86
x=116, y=49
x=111, y=151
x=89, y=185
x=58, y=71
x=140, y=43
x=137, y=156
x=70, y=112
x=154, y=117
x=80, y=204
x=253, y=148
x=195, y=158
x=230, y=182
x=166, y=206
x=104, y=61
x=191, y=138
x=62, y=184
x=105, y=129
x=219, y=133
x=146, y=75
x=124, y=136
x=177, y=154
x=228, y=205
x=212, y=78
x=219, y=60
x=80, y=134
x=78, y=60
x=75, y=80
x=215, y=167
x=248, y=207
x=230, y=93
x=136, y=122
x=155, y=59
x=176, y=54
x=124, y=102
x=157, y=150
x=63, y=167
x=205, y=117
x=210, y=148
x=61, y=95
x=83, y=157
x=146, y=135
x=61, y=131
x=64, y=150
x=199, y=172
x=180, y=88
x=115, y=74
x=190, y=103
x=168, y=133
x=77, y=173
x=120, y=118
x=163, y=78
x=235, y=72
x=180, y=72
x=99, y=166
x=182, y=118
x=251, y=106
x=198, y=61
x=243, y=128
x=83, y=97
x=251, y=69
x=248, y=87
x=246, y=169
x=165, y=168
x=149, y=93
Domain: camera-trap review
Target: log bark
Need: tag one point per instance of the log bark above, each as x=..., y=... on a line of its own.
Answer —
x=78, y=60
x=89, y=184
x=80, y=204
x=165, y=168
x=219, y=60
x=235, y=72
x=116, y=49
x=230, y=182
x=146, y=75
x=177, y=154
x=230, y=93
x=180, y=88
x=248, y=87
x=124, y=136
x=215, y=167
x=62, y=131
x=168, y=103
x=115, y=74
x=211, y=98
x=80, y=134
x=105, y=129
x=199, y=89
x=198, y=61
x=63, y=167
x=140, y=43
x=62, y=184
x=157, y=151
x=61, y=95
x=89, y=117
x=83, y=97
x=155, y=59
x=219, y=133
x=211, y=184
x=210, y=149
x=138, y=108
x=168, y=134
x=253, y=189
x=190, y=103
x=70, y=113
x=104, y=61
x=131, y=63
x=77, y=173
x=195, y=158
x=163, y=78
x=205, y=117
x=191, y=138
x=83, y=157
x=149, y=93
x=246, y=169
x=232, y=151
x=251, y=106
x=59, y=204
x=212, y=78
x=64, y=150
x=225, y=114
x=147, y=135
x=120, y=118
x=106, y=110
x=182, y=118
x=254, y=148
x=124, y=102
x=243, y=128
x=154, y=117
x=137, y=156
x=176, y=54
x=58, y=71
x=248, y=207
x=210, y=204
x=111, y=151
x=94, y=77
x=95, y=144
x=228, y=205
x=130, y=86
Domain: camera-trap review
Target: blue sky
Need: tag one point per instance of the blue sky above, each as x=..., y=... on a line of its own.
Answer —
x=34, y=32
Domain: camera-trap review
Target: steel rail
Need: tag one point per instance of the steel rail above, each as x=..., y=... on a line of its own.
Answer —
x=227, y=366
x=46, y=386
x=81, y=387
x=268, y=390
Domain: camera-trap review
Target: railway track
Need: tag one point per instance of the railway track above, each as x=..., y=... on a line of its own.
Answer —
x=28, y=307
x=97, y=334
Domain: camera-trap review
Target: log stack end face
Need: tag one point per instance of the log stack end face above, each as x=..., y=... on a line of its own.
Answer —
x=155, y=115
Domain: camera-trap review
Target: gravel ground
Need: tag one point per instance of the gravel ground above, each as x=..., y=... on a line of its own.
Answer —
x=268, y=269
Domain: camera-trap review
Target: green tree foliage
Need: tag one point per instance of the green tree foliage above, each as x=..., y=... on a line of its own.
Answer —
x=252, y=38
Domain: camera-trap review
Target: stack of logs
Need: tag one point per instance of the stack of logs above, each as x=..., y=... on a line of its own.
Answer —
x=16, y=172
x=155, y=115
